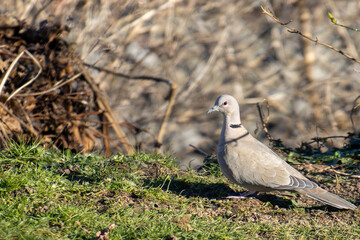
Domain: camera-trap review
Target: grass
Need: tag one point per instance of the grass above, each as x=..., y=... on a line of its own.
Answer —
x=48, y=194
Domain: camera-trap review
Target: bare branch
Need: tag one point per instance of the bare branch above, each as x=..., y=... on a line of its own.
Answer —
x=316, y=41
x=335, y=22
x=199, y=150
x=264, y=123
x=156, y=79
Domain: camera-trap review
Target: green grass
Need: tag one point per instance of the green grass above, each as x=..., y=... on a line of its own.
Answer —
x=47, y=194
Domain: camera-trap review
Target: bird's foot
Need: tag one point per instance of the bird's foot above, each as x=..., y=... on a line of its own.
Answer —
x=243, y=195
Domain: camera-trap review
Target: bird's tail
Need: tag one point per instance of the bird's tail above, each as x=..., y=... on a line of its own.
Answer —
x=328, y=198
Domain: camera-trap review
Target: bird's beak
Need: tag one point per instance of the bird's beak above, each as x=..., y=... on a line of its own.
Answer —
x=213, y=109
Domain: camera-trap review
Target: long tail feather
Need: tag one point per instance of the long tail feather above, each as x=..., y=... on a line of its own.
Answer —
x=328, y=198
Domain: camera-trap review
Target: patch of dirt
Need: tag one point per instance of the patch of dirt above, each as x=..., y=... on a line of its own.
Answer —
x=277, y=207
x=272, y=208
x=333, y=179
x=20, y=192
x=255, y=210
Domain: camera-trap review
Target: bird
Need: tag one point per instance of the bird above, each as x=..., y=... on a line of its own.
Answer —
x=246, y=161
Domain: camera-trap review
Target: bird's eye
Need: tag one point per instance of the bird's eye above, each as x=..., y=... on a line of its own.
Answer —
x=225, y=103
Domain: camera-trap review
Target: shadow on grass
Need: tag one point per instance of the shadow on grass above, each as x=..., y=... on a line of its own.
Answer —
x=282, y=202
x=275, y=200
x=212, y=191
x=191, y=189
x=221, y=191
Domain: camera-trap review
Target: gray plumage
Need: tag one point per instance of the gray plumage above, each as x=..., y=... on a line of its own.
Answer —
x=247, y=162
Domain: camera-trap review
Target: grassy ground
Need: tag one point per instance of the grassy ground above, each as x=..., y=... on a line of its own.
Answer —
x=47, y=194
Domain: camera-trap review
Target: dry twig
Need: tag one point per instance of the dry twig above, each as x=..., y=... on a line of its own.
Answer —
x=171, y=97
x=105, y=130
x=84, y=229
x=57, y=85
x=103, y=104
x=142, y=77
x=264, y=123
x=293, y=30
x=161, y=133
x=335, y=22
x=356, y=105
x=330, y=168
x=8, y=72
x=199, y=150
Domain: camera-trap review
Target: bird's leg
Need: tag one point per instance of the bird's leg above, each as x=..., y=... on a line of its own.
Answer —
x=244, y=194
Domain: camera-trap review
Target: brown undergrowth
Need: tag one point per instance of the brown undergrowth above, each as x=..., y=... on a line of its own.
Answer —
x=45, y=92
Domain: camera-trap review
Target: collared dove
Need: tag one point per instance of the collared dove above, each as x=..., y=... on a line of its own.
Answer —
x=246, y=161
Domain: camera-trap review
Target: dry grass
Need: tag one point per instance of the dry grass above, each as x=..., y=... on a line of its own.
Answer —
x=212, y=47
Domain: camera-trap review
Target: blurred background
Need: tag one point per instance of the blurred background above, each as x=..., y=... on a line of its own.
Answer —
x=208, y=48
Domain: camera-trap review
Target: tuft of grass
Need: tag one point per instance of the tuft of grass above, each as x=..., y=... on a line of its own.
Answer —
x=48, y=194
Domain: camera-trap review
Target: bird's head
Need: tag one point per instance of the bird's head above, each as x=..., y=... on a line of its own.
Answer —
x=225, y=104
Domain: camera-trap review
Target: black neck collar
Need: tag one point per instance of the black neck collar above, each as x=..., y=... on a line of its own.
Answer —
x=235, y=125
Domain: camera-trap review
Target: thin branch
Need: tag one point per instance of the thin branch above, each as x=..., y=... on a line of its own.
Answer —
x=264, y=123
x=31, y=80
x=161, y=133
x=58, y=85
x=199, y=150
x=330, y=168
x=346, y=174
x=103, y=104
x=334, y=21
x=12, y=66
x=7, y=74
x=355, y=106
x=156, y=79
x=324, y=139
x=171, y=97
x=293, y=30
x=84, y=229
x=105, y=131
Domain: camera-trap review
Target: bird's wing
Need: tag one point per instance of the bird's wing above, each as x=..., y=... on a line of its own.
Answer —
x=253, y=163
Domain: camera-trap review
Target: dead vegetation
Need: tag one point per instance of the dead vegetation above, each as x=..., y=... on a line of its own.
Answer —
x=142, y=74
x=208, y=48
x=45, y=93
